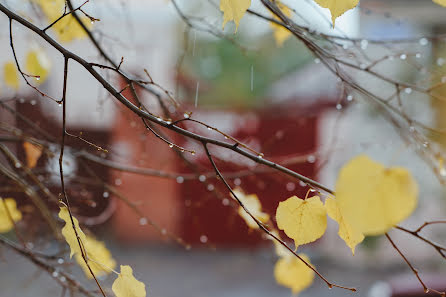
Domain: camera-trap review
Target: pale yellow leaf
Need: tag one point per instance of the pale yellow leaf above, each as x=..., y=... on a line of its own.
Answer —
x=293, y=273
x=67, y=28
x=374, y=198
x=233, y=10
x=69, y=234
x=126, y=285
x=37, y=63
x=302, y=220
x=280, y=33
x=11, y=75
x=252, y=203
x=337, y=7
x=280, y=250
x=440, y=2
x=347, y=232
x=33, y=153
x=99, y=258
x=7, y=213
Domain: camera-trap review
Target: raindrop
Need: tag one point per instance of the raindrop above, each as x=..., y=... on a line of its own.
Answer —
x=21, y=100
x=260, y=156
x=63, y=279
x=193, y=47
x=55, y=273
x=423, y=41
x=143, y=221
x=225, y=201
x=302, y=184
x=186, y=115
x=362, y=66
x=403, y=56
x=311, y=159
x=425, y=144
x=338, y=106
x=60, y=104
x=17, y=165
x=290, y=186
x=33, y=102
x=193, y=153
x=60, y=261
x=163, y=231
x=202, y=178
x=38, y=78
x=317, y=60
x=210, y=187
x=203, y=239
x=412, y=129
x=252, y=78
x=408, y=90
x=118, y=182
x=440, y=61
x=171, y=145
x=237, y=181
x=105, y=194
x=417, y=55
x=349, y=98
x=196, y=94
x=180, y=179
x=364, y=44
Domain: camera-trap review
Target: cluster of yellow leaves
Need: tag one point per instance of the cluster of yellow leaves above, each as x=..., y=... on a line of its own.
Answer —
x=67, y=29
x=37, y=65
x=252, y=203
x=8, y=211
x=233, y=10
x=99, y=258
x=370, y=199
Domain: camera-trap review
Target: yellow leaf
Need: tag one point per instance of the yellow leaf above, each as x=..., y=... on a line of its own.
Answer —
x=280, y=33
x=33, y=153
x=7, y=213
x=67, y=28
x=233, y=10
x=440, y=2
x=11, y=75
x=37, y=63
x=69, y=234
x=337, y=7
x=280, y=250
x=302, y=220
x=347, y=232
x=374, y=198
x=293, y=273
x=252, y=203
x=126, y=285
x=99, y=258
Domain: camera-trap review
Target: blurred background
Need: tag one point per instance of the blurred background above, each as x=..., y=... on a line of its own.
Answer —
x=185, y=237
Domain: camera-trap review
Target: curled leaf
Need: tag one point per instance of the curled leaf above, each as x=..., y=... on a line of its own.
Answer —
x=302, y=220
x=33, y=153
x=337, y=7
x=99, y=258
x=373, y=198
x=252, y=203
x=233, y=10
x=69, y=234
x=347, y=231
x=11, y=75
x=37, y=63
x=126, y=285
x=293, y=273
x=8, y=211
